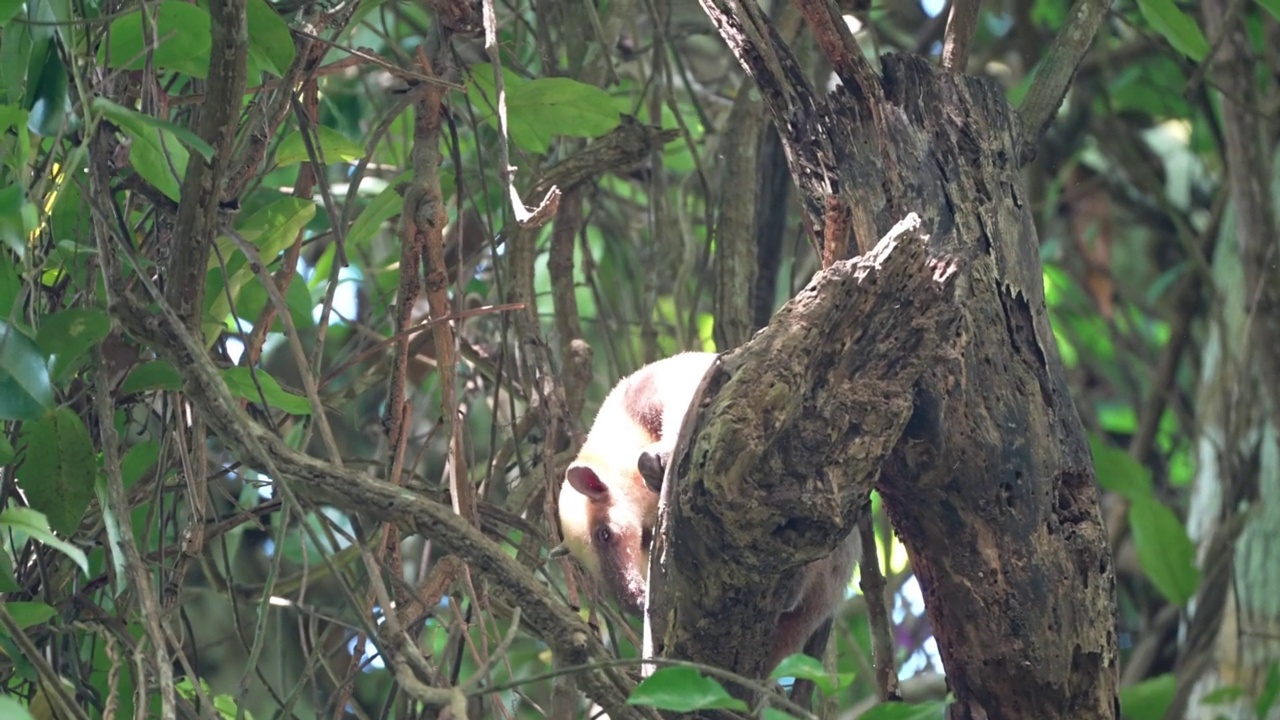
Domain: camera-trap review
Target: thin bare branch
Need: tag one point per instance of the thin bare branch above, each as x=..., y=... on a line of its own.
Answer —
x=962, y=23
x=1058, y=70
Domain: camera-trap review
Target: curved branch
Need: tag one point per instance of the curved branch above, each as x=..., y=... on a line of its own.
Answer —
x=1058, y=70
x=319, y=482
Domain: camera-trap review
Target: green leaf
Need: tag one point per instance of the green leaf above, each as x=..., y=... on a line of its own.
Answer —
x=29, y=613
x=1271, y=6
x=253, y=300
x=270, y=42
x=240, y=380
x=385, y=205
x=683, y=689
x=26, y=391
x=155, y=375
x=9, y=8
x=157, y=155
x=271, y=229
x=333, y=147
x=17, y=145
x=225, y=705
x=804, y=667
x=8, y=583
x=36, y=526
x=10, y=708
x=10, y=285
x=935, y=710
x=1177, y=27
x=1223, y=695
x=1149, y=699
x=58, y=471
x=540, y=109
x=1118, y=471
x=140, y=458
x=115, y=546
x=1270, y=690
x=69, y=334
x=775, y=714
x=6, y=453
x=17, y=218
x=135, y=124
x=184, y=40
x=47, y=91
x=1164, y=550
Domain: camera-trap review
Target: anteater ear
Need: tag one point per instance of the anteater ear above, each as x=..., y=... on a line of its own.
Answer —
x=584, y=480
x=652, y=467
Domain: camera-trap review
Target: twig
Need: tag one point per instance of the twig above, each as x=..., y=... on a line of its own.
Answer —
x=547, y=207
x=877, y=614
x=962, y=23
x=1057, y=71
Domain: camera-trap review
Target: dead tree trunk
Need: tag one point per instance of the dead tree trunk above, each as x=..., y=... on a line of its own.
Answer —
x=986, y=471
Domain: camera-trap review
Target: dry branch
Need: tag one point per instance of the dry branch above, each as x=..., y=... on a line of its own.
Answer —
x=321, y=483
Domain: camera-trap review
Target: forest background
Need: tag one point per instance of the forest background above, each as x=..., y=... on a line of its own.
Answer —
x=649, y=209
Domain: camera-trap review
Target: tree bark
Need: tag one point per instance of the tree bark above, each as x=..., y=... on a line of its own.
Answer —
x=989, y=482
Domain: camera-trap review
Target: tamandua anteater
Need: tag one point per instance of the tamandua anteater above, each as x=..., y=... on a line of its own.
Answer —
x=609, y=501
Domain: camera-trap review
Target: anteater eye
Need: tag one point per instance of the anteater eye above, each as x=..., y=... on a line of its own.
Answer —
x=604, y=534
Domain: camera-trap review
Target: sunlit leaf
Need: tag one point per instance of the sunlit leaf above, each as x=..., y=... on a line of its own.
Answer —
x=683, y=689
x=541, y=109
x=804, y=667
x=36, y=526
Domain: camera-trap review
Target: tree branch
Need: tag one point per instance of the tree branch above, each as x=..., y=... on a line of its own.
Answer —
x=1057, y=70
x=962, y=23
x=202, y=190
x=322, y=483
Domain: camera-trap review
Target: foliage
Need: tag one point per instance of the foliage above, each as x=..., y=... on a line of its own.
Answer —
x=267, y=598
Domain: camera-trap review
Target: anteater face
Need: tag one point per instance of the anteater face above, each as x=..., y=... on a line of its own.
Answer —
x=607, y=517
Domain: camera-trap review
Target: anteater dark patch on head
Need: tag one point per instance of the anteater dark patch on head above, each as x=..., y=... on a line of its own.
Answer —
x=643, y=403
